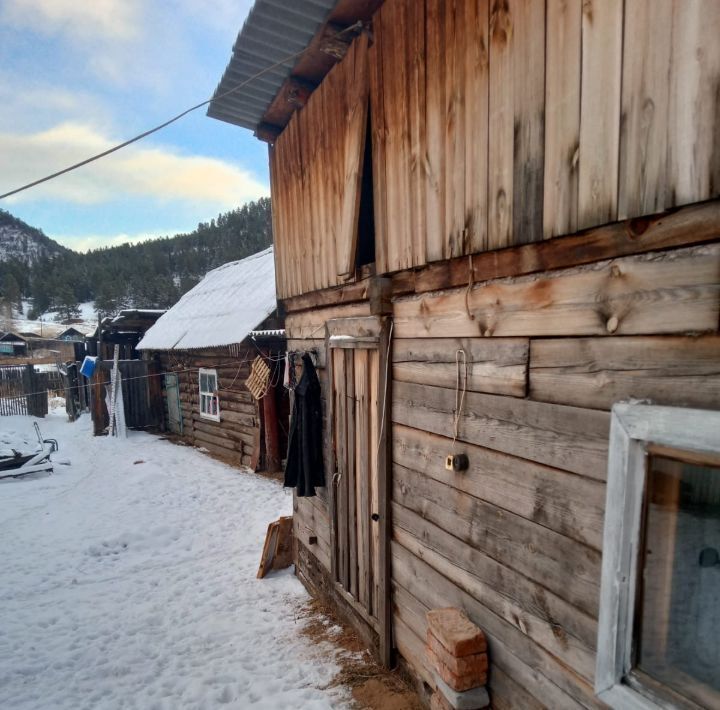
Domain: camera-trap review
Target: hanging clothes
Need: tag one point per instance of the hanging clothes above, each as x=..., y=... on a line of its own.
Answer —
x=304, y=468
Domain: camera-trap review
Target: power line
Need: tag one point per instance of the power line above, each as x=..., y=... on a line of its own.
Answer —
x=145, y=134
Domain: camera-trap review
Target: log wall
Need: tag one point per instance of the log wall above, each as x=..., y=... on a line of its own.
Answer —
x=517, y=539
x=495, y=124
x=236, y=437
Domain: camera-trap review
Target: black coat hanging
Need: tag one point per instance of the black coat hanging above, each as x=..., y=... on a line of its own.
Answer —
x=304, y=468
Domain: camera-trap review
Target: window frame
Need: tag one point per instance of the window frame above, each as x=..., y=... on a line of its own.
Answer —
x=633, y=428
x=207, y=393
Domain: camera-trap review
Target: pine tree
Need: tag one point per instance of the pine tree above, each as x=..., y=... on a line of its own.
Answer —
x=67, y=304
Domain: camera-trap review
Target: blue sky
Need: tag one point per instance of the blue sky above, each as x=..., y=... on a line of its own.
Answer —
x=77, y=77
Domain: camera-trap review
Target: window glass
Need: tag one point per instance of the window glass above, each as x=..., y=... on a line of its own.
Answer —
x=678, y=634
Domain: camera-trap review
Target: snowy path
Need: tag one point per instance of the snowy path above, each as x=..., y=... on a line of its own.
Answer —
x=132, y=585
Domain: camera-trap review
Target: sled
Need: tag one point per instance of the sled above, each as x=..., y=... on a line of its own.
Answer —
x=20, y=464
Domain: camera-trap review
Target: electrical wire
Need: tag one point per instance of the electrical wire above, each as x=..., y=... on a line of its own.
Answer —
x=165, y=124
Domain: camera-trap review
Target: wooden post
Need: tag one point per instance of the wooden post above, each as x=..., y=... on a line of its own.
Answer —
x=97, y=385
x=272, y=438
x=385, y=493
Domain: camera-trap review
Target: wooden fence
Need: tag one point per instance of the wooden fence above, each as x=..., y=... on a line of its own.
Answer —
x=23, y=391
x=141, y=391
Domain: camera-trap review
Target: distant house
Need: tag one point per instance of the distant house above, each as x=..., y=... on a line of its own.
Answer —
x=206, y=344
x=12, y=344
x=71, y=334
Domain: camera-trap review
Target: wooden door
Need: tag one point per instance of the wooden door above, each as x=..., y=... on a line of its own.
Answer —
x=357, y=352
x=172, y=397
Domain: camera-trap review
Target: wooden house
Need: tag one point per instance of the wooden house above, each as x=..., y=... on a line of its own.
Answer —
x=205, y=347
x=12, y=344
x=125, y=329
x=497, y=221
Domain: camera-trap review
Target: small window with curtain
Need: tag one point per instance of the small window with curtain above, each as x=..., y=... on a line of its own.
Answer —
x=209, y=399
x=659, y=627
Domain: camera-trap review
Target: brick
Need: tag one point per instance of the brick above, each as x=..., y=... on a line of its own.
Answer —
x=439, y=702
x=474, y=663
x=465, y=681
x=456, y=632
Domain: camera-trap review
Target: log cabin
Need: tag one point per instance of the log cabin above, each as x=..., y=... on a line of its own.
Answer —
x=204, y=348
x=499, y=223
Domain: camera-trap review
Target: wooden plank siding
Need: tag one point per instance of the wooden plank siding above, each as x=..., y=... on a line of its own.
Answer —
x=496, y=123
x=500, y=129
x=317, y=169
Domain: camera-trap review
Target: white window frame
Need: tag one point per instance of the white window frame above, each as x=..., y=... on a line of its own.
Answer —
x=632, y=428
x=206, y=393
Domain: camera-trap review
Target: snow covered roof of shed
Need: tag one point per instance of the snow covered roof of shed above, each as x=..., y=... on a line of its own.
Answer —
x=221, y=310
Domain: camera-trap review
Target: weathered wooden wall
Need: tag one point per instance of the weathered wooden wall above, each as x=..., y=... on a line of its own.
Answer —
x=315, y=171
x=236, y=437
x=517, y=539
x=497, y=123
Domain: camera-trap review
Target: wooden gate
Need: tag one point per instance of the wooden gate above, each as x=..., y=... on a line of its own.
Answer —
x=358, y=351
x=23, y=391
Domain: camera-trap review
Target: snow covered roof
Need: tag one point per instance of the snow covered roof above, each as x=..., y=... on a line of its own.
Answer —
x=221, y=310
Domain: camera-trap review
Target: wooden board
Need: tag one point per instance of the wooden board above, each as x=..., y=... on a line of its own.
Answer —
x=566, y=567
x=556, y=685
x=602, y=25
x=316, y=174
x=568, y=438
x=643, y=179
x=597, y=372
x=277, y=550
x=515, y=606
x=569, y=504
x=693, y=120
x=562, y=117
x=496, y=366
x=662, y=293
x=311, y=324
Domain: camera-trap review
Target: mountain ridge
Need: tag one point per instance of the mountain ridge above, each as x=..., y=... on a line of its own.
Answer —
x=150, y=274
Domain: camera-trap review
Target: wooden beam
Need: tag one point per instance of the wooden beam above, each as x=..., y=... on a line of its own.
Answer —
x=669, y=293
x=335, y=40
x=694, y=224
x=297, y=91
x=267, y=132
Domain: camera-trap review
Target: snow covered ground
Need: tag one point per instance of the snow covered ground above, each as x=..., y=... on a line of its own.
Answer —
x=128, y=581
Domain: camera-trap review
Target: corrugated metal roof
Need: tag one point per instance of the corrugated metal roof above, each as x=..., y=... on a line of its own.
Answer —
x=273, y=30
x=221, y=310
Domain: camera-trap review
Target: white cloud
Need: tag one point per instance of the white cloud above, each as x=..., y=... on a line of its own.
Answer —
x=109, y=19
x=157, y=173
x=85, y=242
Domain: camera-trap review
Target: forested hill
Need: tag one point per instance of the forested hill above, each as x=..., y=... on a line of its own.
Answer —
x=152, y=274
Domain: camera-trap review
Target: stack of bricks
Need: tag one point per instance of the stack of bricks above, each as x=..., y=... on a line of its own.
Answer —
x=457, y=652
